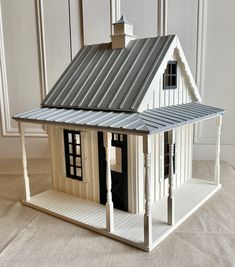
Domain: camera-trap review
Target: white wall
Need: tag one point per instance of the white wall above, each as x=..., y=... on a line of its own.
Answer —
x=37, y=41
x=40, y=37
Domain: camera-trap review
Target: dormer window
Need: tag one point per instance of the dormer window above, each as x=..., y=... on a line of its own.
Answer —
x=170, y=76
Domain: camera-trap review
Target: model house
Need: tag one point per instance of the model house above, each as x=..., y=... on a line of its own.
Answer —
x=120, y=123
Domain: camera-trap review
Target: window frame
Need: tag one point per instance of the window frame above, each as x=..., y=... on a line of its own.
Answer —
x=170, y=74
x=68, y=165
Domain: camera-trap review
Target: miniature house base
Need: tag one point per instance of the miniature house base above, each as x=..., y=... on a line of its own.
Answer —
x=144, y=230
x=128, y=228
x=120, y=130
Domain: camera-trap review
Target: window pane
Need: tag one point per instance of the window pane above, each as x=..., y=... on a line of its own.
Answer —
x=71, y=170
x=173, y=81
x=77, y=138
x=78, y=161
x=70, y=138
x=165, y=137
x=78, y=150
x=166, y=171
x=71, y=149
x=169, y=81
x=71, y=160
x=166, y=148
x=173, y=68
x=79, y=172
x=168, y=70
x=166, y=158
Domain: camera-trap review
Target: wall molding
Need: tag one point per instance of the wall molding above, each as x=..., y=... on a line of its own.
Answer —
x=7, y=129
x=162, y=17
x=199, y=137
x=41, y=48
x=115, y=12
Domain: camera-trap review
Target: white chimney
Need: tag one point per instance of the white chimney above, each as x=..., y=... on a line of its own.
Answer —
x=123, y=33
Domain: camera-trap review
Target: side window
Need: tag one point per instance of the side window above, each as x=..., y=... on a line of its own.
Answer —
x=167, y=157
x=170, y=76
x=73, y=154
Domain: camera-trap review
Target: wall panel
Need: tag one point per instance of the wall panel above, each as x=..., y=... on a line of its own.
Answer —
x=182, y=20
x=37, y=41
x=19, y=58
x=217, y=79
x=96, y=21
x=142, y=14
x=55, y=16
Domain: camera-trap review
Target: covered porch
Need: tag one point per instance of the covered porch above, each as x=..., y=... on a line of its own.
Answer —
x=128, y=228
x=146, y=230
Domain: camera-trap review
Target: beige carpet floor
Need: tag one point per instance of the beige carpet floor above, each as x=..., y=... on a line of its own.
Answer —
x=32, y=238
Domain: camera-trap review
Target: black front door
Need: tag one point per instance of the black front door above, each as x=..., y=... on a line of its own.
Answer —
x=118, y=170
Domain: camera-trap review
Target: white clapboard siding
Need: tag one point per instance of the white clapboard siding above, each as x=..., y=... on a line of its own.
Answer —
x=157, y=97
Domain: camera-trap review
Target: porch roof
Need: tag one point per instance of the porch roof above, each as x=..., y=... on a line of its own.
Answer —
x=149, y=121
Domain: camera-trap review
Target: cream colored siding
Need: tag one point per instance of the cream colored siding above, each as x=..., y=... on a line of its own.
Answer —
x=89, y=187
x=135, y=173
x=157, y=97
x=159, y=185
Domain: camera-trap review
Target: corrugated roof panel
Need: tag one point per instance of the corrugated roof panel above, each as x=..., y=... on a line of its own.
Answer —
x=102, y=78
x=85, y=98
x=145, y=75
x=150, y=113
x=149, y=121
x=67, y=75
x=115, y=76
x=124, y=83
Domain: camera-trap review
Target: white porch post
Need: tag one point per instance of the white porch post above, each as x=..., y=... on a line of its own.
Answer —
x=24, y=162
x=148, y=208
x=217, y=152
x=170, y=200
x=109, y=203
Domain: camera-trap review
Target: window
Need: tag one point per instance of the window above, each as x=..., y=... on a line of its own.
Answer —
x=167, y=157
x=170, y=76
x=73, y=158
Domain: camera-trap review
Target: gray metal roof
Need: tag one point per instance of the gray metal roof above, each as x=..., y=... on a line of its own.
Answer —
x=149, y=121
x=102, y=78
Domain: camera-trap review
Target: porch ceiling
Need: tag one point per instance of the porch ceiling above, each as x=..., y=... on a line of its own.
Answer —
x=149, y=121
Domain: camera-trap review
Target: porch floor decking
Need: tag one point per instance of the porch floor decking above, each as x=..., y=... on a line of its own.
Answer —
x=128, y=228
